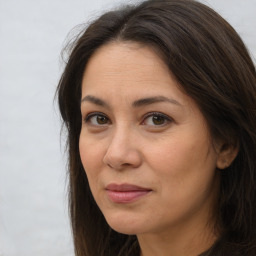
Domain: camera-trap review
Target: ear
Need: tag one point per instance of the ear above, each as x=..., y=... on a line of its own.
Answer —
x=226, y=155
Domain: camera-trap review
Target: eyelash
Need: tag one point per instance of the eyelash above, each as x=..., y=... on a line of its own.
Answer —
x=166, y=118
x=94, y=114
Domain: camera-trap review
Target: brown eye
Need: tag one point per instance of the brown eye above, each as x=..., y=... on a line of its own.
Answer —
x=101, y=119
x=97, y=119
x=156, y=119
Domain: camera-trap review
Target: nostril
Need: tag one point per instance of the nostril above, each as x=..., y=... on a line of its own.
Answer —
x=122, y=157
x=119, y=166
x=109, y=165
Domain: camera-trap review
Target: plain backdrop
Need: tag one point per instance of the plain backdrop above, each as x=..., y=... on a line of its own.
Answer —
x=33, y=197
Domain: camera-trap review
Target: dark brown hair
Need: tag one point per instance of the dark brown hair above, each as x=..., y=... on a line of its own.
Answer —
x=213, y=67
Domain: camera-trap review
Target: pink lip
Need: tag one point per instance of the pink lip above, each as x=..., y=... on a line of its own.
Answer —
x=125, y=193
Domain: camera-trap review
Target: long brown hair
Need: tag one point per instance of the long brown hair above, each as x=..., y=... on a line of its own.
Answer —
x=213, y=67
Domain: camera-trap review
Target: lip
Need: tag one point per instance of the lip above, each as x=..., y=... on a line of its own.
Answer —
x=125, y=193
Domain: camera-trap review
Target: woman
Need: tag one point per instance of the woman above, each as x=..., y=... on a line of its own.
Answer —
x=159, y=103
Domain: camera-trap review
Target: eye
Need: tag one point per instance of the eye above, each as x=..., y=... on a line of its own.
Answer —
x=97, y=119
x=156, y=119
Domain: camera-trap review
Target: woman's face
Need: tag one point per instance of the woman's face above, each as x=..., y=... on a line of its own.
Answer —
x=144, y=144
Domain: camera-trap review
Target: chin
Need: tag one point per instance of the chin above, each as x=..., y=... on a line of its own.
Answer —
x=125, y=230
x=126, y=225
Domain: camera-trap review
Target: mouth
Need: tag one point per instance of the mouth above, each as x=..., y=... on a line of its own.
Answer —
x=126, y=193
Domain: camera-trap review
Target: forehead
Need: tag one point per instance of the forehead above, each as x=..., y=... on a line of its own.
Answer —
x=126, y=49
x=126, y=66
x=125, y=58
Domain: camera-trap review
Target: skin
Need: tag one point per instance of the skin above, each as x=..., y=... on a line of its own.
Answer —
x=172, y=155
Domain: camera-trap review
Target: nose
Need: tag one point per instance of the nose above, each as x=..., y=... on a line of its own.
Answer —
x=123, y=150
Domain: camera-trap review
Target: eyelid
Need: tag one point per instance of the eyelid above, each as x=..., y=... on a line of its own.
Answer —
x=93, y=114
x=167, y=118
x=150, y=114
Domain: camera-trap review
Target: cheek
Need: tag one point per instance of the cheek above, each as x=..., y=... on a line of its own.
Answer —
x=183, y=167
x=182, y=153
x=91, y=154
x=172, y=158
x=186, y=179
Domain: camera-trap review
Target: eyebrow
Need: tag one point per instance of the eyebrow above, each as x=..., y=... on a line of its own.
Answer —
x=152, y=100
x=95, y=101
x=137, y=103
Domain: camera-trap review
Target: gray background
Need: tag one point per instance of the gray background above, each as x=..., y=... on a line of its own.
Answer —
x=33, y=202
